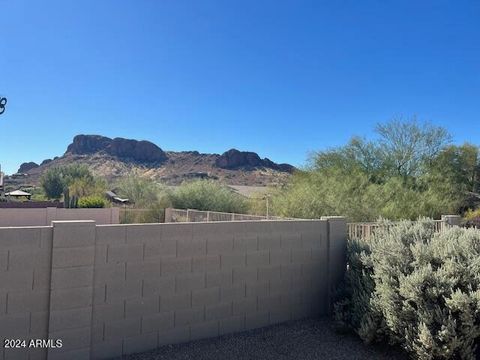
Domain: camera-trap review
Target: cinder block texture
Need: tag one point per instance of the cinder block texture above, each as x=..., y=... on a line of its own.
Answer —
x=25, y=266
x=73, y=258
x=45, y=216
x=337, y=251
x=112, y=290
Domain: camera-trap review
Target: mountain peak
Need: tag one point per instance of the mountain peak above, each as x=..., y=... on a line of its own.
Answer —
x=119, y=157
x=127, y=149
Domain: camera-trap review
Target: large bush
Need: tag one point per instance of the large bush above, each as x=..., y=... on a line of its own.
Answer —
x=200, y=195
x=53, y=183
x=149, y=199
x=208, y=195
x=407, y=171
x=75, y=179
x=143, y=192
x=92, y=202
x=411, y=286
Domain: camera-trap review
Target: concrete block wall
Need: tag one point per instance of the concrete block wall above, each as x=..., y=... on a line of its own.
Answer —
x=71, y=288
x=120, y=289
x=25, y=258
x=100, y=216
x=45, y=216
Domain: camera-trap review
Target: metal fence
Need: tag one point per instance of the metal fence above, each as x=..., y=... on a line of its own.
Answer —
x=191, y=215
x=366, y=230
x=363, y=230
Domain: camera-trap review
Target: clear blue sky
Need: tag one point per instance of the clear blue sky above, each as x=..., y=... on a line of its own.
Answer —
x=281, y=78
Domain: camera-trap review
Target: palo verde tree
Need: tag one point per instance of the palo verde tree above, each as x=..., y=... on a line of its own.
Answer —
x=409, y=170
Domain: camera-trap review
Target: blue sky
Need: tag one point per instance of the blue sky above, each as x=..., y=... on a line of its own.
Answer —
x=281, y=78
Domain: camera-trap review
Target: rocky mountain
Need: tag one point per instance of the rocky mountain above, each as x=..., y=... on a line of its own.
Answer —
x=27, y=166
x=119, y=157
x=126, y=149
x=234, y=159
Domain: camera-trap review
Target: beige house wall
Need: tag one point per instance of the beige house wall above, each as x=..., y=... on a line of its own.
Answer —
x=110, y=290
x=45, y=216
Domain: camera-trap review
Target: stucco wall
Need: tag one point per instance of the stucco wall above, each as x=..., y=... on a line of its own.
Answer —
x=120, y=289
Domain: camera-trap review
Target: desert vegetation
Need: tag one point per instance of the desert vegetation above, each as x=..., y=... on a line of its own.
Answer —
x=410, y=169
x=151, y=198
x=408, y=284
x=75, y=184
x=417, y=288
x=208, y=195
x=78, y=182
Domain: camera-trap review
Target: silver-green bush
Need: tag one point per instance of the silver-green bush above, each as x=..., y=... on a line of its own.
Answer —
x=411, y=286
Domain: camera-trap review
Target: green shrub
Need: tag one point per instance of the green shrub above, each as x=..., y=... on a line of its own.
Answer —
x=53, y=183
x=75, y=179
x=154, y=197
x=411, y=286
x=91, y=202
x=142, y=192
x=208, y=195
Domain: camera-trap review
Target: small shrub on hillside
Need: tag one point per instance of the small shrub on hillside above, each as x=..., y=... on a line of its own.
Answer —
x=91, y=202
x=411, y=286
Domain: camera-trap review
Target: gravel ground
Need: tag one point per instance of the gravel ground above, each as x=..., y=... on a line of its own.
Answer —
x=305, y=339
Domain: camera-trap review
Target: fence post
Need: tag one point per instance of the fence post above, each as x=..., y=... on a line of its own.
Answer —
x=71, y=288
x=168, y=215
x=337, y=254
x=208, y=216
x=51, y=215
x=114, y=215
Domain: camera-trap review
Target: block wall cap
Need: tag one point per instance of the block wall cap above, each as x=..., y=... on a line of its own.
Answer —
x=73, y=222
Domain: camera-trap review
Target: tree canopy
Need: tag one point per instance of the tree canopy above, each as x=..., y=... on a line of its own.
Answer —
x=78, y=179
x=409, y=170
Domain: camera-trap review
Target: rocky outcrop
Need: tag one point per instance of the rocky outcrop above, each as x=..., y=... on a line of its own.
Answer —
x=27, y=166
x=88, y=144
x=234, y=159
x=116, y=158
x=141, y=151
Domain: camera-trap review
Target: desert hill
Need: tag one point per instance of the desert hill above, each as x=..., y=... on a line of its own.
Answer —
x=118, y=157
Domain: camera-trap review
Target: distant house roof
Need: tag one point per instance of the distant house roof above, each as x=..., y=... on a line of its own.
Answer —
x=18, y=193
x=115, y=198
